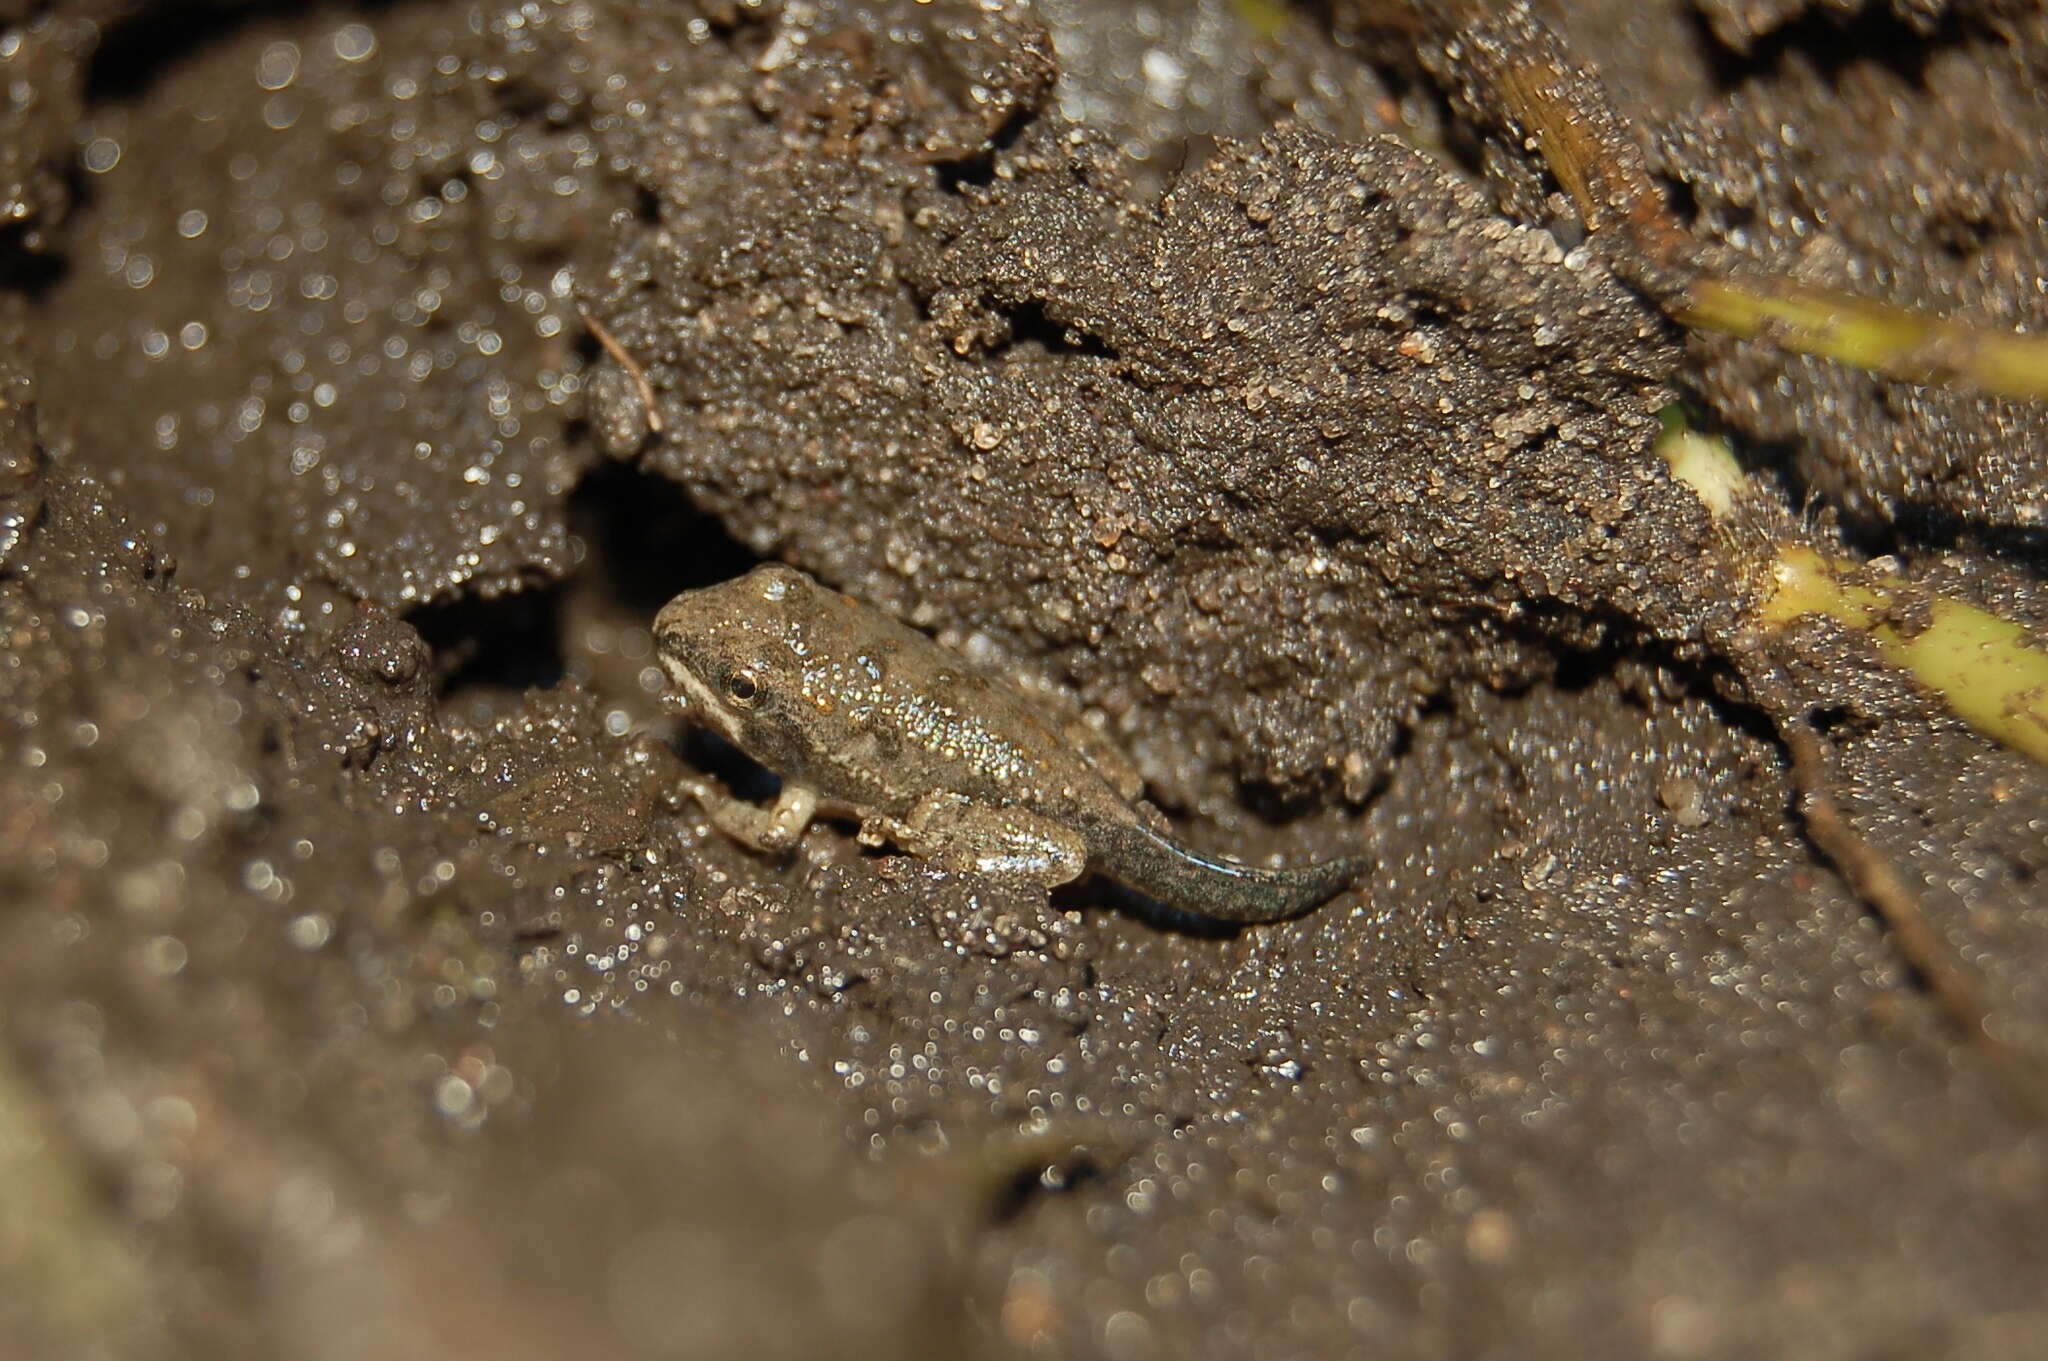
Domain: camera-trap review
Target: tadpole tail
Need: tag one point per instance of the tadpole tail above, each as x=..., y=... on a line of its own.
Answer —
x=1222, y=889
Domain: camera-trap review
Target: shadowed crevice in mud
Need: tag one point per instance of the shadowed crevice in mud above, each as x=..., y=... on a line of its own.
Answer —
x=742, y=774
x=643, y=542
x=2024, y=547
x=979, y=169
x=1832, y=41
x=646, y=541
x=1278, y=805
x=1031, y=1183
x=27, y=272
x=1645, y=674
x=511, y=642
x=153, y=39
x=1032, y=325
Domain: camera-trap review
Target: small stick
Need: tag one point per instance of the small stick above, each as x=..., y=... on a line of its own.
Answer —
x=1873, y=880
x=1514, y=67
x=629, y=364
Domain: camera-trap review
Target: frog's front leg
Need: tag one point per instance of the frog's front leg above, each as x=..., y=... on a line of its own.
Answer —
x=773, y=829
x=1004, y=843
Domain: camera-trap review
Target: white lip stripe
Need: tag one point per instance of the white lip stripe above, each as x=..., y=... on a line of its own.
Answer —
x=705, y=705
x=696, y=693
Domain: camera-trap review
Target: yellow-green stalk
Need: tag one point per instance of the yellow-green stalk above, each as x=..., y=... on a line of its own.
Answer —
x=1914, y=346
x=1989, y=671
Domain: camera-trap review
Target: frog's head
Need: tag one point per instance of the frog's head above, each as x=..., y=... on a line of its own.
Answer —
x=734, y=653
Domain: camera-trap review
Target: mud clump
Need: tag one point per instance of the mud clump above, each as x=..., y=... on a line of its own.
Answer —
x=1261, y=567
x=367, y=991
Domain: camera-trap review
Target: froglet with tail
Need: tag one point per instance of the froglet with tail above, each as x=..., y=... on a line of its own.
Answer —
x=863, y=715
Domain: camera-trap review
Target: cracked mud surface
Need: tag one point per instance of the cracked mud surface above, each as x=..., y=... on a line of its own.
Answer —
x=364, y=994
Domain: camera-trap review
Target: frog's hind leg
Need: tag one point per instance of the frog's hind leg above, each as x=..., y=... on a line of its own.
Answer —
x=773, y=829
x=1003, y=843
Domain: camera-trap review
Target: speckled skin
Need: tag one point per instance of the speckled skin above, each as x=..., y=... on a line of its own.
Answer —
x=862, y=714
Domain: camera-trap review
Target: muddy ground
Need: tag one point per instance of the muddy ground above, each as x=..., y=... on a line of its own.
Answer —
x=362, y=994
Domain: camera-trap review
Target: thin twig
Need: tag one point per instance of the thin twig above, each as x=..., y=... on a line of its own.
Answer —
x=1873, y=880
x=630, y=365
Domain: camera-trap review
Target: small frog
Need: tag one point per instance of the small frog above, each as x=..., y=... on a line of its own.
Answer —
x=861, y=714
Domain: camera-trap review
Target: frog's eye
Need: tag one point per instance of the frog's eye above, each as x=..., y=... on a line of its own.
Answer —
x=742, y=689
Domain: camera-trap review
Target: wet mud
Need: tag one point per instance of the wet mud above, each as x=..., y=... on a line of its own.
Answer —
x=369, y=375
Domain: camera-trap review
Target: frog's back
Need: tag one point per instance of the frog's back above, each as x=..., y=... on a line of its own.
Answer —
x=929, y=718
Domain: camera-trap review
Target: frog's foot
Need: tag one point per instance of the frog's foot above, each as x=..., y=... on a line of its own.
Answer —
x=1003, y=843
x=773, y=829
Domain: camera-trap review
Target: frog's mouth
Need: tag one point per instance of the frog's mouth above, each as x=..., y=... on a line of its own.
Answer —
x=692, y=697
